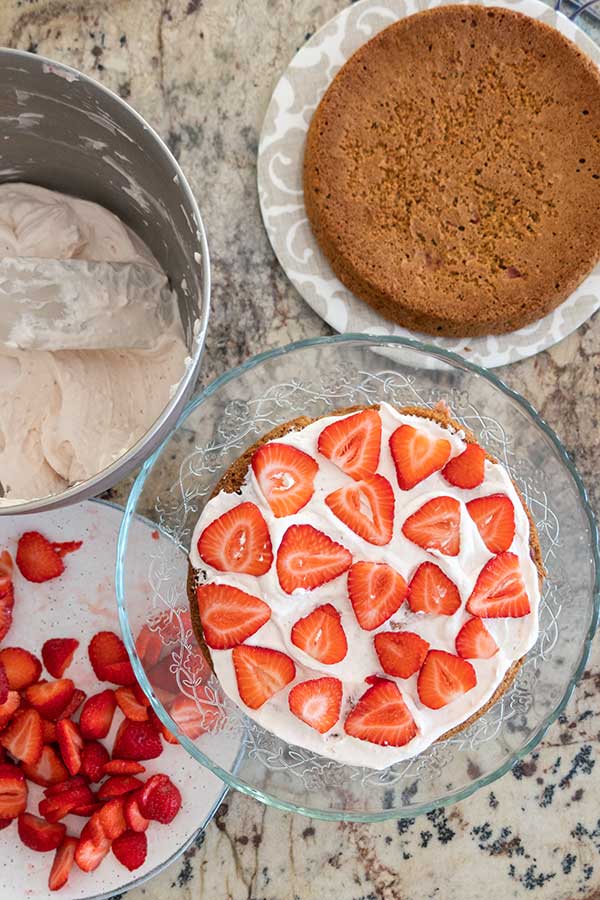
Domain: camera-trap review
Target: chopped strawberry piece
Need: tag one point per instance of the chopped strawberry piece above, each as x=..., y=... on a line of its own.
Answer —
x=73, y=781
x=320, y=635
x=109, y=659
x=353, y=444
x=50, y=698
x=70, y=743
x=137, y=741
x=23, y=737
x=285, y=476
x=431, y=591
x=494, y=517
x=39, y=835
x=367, y=508
x=474, y=641
x=57, y=654
x=117, y=785
x=9, y=708
x=133, y=815
x=159, y=799
x=416, y=455
x=97, y=715
x=148, y=646
x=13, y=791
x=22, y=667
x=238, y=541
x=73, y=796
x=131, y=849
x=500, y=591
x=123, y=767
x=467, y=469
x=94, y=757
x=436, y=526
x=401, y=653
x=39, y=559
x=91, y=848
x=307, y=558
x=111, y=818
x=260, y=673
x=49, y=732
x=4, y=687
x=7, y=596
x=191, y=715
x=317, y=702
x=229, y=615
x=376, y=592
x=48, y=770
x=63, y=863
x=443, y=677
x=130, y=706
x=381, y=717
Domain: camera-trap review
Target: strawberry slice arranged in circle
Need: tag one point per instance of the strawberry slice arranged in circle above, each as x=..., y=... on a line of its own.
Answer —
x=317, y=702
x=431, y=591
x=353, y=444
x=320, y=635
x=229, y=615
x=376, y=592
x=443, y=678
x=381, y=717
x=401, y=653
x=416, y=455
x=238, y=541
x=307, y=558
x=467, y=469
x=261, y=672
x=285, y=476
x=367, y=508
x=495, y=519
x=499, y=591
x=474, y=641
x=436, y=526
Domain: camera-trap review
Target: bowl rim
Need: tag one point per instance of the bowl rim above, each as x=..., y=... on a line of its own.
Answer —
x=231, y=779
x=120, y=467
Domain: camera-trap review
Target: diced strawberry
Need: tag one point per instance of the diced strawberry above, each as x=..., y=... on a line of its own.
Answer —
x=238, y=541
x=159, y=799
x=57, y=654
x=130, y=706
x=4, y=686
x=109, y=659
x=117, y=785
x=39, y=559
x=353, y=444
x=148, y=646
x=500, y=591
x=131, y=849
x=229, y=615
x=133, y=815
x=49, y=732
x=285, y=476
x=39, y=835
x=13, y=791
x=436, y=526
x=23, y=737
x=467, y=469
x=137, y=741
x=73, y=781
x=63, y=863
x=260, y=673
x=73, y=796
x=123, y=767
x=22, y=667
x=94, y=757
x=91, y=848
x=191, y=715
x=70, y=744
x=50, y=698
x=48, y=770
x=97, y=715
x=9, y=708
x=366, y=507
x=307, y=558
x=401, y=653
x=381, y=717
x=474, y=641
x=431, y=591
x=376, y=592
x=317, y=702
x=320, y=635
x=416, y=455
x=494, y=517
x=443, y=677
x=111, y=818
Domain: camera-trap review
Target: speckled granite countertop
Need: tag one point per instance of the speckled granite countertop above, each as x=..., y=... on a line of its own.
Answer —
x=201, y=72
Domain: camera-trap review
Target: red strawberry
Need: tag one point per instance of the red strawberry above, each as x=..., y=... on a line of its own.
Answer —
x=23, y=737
x=48, y=732
x=317, y=702
x=122, y=767
x=63, y=863
x=467, y=469
x=8, y=708
x=353, y=443
x=117, y=785
x=443, y=677
x=131, y=849
x=499, y=591
x=4, y=823
x=238, y=541
x=48, y=770
x=148, y=646
x=229, y=615
x=111, y=818
x=307, y=558
x=367, y=508
x=191, y=720
x=474, y=641
x=70, y=744
x=39, y=559
x=94, y=757
x=92, y=847
x=381, y=717
x=401, y=653
x=376, y=592
x=436, y=526
x=74, y=781
x=260, y=673
x=7, y=596
x=320, y=635
x=133, y=815
x=73, y=705
x=22, y=667
x=50, y=697
x=416, y=455
x=431, y=591
x=71, y=799
x=495, y=519
x=109, y=660
x=285, y=476
x=159, y=799
x=57, y=654
x=130, y=706
x=37, y=834
x=140, y=695
x=97, y=715
x=137, y=741
x=4, y=686
x=13, y=791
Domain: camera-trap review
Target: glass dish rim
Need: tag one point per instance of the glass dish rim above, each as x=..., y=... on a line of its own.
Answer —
x=231, y=779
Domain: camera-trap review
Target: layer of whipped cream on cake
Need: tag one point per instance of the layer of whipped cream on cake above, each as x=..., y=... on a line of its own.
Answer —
x=514, y=636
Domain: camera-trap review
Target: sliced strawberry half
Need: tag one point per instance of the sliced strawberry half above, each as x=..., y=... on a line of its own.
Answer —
x=191, y=715
x=130, y=706
x=261, y=673
x=443, y=678
x=320, y=635
x=13, y=791
x=92, y=847
x=39, y=559
x=22, y=667
x=401, y=653
x=97, y=715
x=63, y=863
x=137, y=741
x=500, y=591
x=57, y=655
x=70, y=744
x=376, y=592
x=73, y=796
x=431, y=591
x=381, y=717
x=494, y=517
x=229, y=615
x=307, y=558
x=117, y=785
x=9, y=708
x=131, y=849
x=436, y=526
x=474, y=641
x=353, y=444
x=7, y=595
x=23, y=737
x=285, y=476
x=50, y=698
x=134, y=818
x=317, y=702
x=159, y=799
x=123, y=767
x=366, y=507
x=39, y=835
x=416, y=455
x=148, y=646
x=48, y=770
x=238, y=541
x=109, y=659
x=94, y=757
x=467, y=469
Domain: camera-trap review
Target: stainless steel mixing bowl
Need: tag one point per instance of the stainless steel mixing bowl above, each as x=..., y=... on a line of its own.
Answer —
x=64, y=131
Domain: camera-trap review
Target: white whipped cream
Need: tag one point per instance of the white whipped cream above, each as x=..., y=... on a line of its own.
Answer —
x=514, y=637
x=66, y=415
